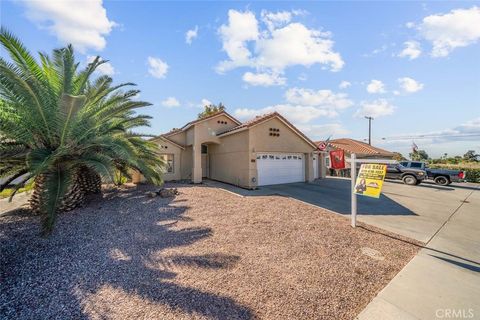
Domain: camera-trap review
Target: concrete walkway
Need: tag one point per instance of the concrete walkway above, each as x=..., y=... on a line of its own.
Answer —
x=443, y=280
x=17, y=201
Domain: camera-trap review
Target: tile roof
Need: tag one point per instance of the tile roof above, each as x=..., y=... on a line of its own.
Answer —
x=163, y=136
x=358, y=147
x=265, y=117
x=189, y=124
x=208, y=117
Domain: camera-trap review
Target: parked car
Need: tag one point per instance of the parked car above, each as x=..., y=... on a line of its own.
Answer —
x=440, y=176
x=409, y=176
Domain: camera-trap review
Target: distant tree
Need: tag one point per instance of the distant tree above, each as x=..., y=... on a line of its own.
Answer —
x=420, y=155
x=470, y=155
x=398, y=156
x=211, y=109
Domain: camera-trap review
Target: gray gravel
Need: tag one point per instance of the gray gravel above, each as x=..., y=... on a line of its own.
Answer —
x=207, y=254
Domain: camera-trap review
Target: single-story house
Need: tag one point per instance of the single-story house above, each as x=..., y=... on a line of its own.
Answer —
x=265, y=150
x=361, y=149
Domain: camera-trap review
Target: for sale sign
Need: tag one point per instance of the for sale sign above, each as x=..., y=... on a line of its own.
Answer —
x=370, y=180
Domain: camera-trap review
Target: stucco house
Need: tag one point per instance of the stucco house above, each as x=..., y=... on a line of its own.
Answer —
x=265, y=150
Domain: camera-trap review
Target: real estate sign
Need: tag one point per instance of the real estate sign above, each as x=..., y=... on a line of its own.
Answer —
x=370, y=180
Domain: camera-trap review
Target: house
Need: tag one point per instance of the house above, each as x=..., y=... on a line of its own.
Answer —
x=265, y=150
x=361, y=149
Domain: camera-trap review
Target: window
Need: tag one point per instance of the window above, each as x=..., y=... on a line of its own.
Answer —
x=271, y=157
x=327, y=161
x=204, y=149
x=415, y=165
x=169, y=162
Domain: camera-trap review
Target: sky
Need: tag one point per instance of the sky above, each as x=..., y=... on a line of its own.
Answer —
x=412, y=66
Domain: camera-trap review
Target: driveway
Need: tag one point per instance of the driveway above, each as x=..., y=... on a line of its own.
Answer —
x=416, y=212
x=443, y=279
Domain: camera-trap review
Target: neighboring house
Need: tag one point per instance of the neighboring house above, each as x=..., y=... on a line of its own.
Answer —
x=361, y=149
x=265, y=150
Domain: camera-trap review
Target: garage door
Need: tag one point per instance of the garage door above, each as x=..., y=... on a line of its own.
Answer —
x=277, y=168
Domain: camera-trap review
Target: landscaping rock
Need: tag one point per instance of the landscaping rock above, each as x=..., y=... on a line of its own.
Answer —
x=167, y=193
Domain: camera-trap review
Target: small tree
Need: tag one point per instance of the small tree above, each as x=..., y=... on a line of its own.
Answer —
x=211, y=109
x=398, y=156
x=470, y=155
x=420, y=155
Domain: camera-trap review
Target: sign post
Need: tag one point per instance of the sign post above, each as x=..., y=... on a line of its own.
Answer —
x=353, y=175
x=369, y=182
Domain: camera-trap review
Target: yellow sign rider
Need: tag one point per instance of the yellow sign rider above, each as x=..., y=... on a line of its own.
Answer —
x=370, y=180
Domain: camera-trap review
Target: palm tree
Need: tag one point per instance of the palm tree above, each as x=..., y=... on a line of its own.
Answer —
x=65, y=130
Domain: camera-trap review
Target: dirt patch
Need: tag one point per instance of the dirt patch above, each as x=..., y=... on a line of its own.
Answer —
x=206, y=254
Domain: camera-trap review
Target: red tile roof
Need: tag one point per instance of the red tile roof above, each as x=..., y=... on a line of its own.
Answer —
x=358, y=147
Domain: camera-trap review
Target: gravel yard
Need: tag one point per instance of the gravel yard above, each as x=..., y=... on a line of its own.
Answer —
x=206, y=254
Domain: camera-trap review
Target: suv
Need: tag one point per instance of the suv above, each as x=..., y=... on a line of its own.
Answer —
x=409, y=176
x=440, y=176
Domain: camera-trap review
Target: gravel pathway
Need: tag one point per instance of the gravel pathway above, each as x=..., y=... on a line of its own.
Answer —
x=207, y=254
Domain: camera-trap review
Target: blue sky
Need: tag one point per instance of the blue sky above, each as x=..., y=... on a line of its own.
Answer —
x=413, y=66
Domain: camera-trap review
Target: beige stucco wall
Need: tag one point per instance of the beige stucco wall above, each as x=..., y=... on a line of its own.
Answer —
x=186, y=163
x=178, y=138
x=229, y=160
x=165, y=147
x=169, y=148
x=205, y=132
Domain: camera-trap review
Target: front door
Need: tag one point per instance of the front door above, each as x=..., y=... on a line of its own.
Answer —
x=205, y=165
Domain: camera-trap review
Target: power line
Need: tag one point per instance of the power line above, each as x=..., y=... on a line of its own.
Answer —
x=430, y=136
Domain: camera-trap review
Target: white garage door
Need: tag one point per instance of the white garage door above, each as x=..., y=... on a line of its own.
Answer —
x=277, y=168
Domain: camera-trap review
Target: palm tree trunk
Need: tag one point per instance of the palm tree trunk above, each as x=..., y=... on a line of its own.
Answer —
x=85, y=181
x=89, y=180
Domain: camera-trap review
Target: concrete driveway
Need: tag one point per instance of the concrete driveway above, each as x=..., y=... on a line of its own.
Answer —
x=413, y=211
x=443, y=280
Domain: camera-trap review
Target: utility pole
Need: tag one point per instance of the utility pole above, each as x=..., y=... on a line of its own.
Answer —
x=369, y=129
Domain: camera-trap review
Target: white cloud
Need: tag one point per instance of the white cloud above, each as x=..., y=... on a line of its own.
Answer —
x=458, y=28
x=81, y=23
x=377, y=108
x=410, y=25
x=344, y=85
x=469, y=127
x=157, y=67
x=170, y=102
x=205, y=102
x=191, y=34
x=263, y=79
x=410, y=85
x=242, y=27
x=412, y=50
x=282, y=44
x=303, y=105
x=294, y=113
x=323, y=131
x=376, y=86
x=105, y=68
x=325, y=99
x=275, y=19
